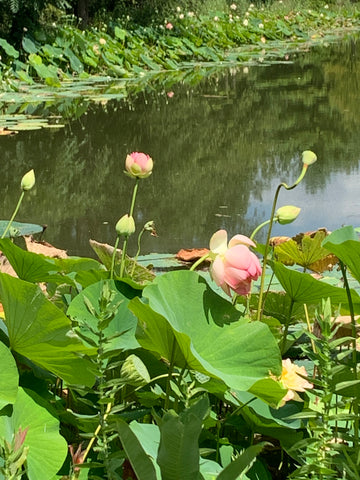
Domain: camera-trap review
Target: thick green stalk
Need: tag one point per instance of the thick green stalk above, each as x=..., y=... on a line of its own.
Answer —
x=267, y=244
x=354, y=361
x=199, y=260
x=123, y=255
x=170, y=374
x=138, y=251
x=286, y=329
x=259, y=227
x=13, y=215
x=113, y=257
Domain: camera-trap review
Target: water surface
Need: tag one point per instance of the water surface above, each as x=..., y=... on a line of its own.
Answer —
x=220, y=147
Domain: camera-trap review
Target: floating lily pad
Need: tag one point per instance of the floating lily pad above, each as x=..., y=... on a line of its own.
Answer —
x=19, y=229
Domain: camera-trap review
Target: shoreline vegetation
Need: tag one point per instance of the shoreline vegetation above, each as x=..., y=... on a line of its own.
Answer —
x=61, y=52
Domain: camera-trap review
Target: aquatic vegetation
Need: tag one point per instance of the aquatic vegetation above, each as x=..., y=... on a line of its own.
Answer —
x=122, y=49
x=121, y=372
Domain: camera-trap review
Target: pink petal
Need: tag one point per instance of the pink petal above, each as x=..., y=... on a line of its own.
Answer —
x=238, y=257
x=217, y=274
x=241, y=240
x=140, y=158
x=217, y=271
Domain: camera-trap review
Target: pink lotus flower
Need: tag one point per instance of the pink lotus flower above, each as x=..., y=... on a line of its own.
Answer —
x=292, y=379
x=234, y=265
x=138, y=165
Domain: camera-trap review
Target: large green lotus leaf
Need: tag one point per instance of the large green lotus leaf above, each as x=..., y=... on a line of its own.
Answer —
x=9, y=376
x=303, y=288
x=30, y=266
x=186, y=320
x=344, y=243
x=41, y=332
x=124, y=321
x=47, y=448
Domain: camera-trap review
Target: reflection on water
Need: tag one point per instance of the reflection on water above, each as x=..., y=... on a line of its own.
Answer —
x=220, y=148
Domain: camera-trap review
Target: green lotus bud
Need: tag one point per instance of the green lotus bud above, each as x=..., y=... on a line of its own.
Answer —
x=308, y=157
x=28, y=180
x=125, y=226
x=287, y=214
x=134, y=372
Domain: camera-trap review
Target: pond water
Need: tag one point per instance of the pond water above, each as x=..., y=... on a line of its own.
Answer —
x=220, y=147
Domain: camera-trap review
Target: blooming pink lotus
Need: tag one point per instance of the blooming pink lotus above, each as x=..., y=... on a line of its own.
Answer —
x=139, y=165
x=234, y=265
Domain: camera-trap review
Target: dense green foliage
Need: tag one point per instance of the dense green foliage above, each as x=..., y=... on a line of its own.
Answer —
x=166, y=378
x=114, y=46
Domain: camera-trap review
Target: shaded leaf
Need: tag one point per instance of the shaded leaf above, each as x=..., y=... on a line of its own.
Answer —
x=41, y=332
x=133, y=441
x=47, y=448
x=9, y=376
x=178, y=455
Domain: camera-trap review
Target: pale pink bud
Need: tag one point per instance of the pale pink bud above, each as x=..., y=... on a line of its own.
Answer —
x=169, y=26
x=138, y=165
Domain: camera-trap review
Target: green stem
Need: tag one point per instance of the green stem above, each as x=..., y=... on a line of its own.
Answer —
x=267, y=244
x=136, y=186
x=169, y=375
x=283, y=343
x=123, y=255
x=259, y=227
x=199, y=260
x=113, y=257
x=13, y=215
x=138, y=251
x=354, y=360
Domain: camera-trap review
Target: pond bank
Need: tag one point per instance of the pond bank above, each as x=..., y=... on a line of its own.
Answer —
x=65, y=55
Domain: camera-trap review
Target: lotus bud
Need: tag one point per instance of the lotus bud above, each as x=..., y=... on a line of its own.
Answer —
x=125, y=226
x=286, y=214
x=138, y=165
x=134, y=372
x=308, y=157
x=28, y=180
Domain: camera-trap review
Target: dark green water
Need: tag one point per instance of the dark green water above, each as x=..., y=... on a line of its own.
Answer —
x=220, y=148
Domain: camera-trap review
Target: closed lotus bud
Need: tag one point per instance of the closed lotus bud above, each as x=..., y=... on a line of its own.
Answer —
x=138, y=165
x=28, y=180
x=125, y=226
x=286, y=214
x=134, y=372
x=308, y=157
